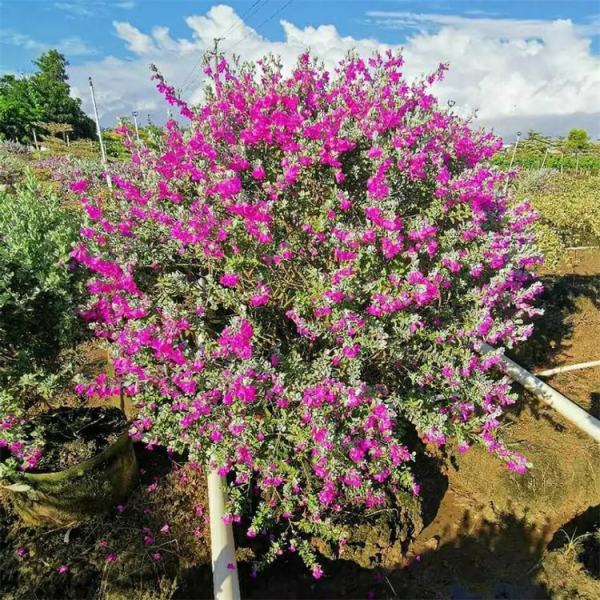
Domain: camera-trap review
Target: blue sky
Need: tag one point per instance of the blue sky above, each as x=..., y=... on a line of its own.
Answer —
x=515, y=61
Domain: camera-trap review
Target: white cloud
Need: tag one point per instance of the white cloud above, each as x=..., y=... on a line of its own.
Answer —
x=137, y=42
x=507, y=68
x=519, y=74
x=72, y=46
x=88, y=8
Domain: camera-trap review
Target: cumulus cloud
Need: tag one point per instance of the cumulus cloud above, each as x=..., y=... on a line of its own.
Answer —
x=506, y=68
x=517, y=74
x=137, y=42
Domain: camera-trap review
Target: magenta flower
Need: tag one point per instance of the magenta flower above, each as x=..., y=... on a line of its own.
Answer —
x=258, y=173
x=463, y=447
x=317, y=572
x=79, y=186
x=229, y=279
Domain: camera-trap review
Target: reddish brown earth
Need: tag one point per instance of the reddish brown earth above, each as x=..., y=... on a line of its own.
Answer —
x=570, y=329
x=491, y=528
x=490, y=531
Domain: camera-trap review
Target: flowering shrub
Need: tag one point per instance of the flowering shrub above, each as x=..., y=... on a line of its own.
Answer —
x=63, y=169
x=303, y=274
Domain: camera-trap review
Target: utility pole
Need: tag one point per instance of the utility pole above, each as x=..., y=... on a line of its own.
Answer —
x=137, y=131
x=545, y=155
x=216, y=56
x=512, y=159
x=99, y=132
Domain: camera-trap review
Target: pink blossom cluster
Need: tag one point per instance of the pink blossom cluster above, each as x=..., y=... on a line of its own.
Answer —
x=303, y=273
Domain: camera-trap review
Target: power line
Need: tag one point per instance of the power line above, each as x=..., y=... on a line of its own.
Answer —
x=252, y=10
x=213, y=54
x=278, y=11
x=249, y=13
x=255, y=29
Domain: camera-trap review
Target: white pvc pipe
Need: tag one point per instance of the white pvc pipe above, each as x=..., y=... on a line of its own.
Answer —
x=225, y=576
x=582, y=247
x=579, y=417
x=586, y=365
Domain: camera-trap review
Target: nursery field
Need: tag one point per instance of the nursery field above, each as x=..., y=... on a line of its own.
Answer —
x=485, y=532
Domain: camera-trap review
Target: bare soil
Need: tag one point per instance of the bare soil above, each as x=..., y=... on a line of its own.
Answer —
x=569, y=332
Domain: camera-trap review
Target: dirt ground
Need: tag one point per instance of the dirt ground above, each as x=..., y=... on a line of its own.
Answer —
x=486, y=530
x=569, y=332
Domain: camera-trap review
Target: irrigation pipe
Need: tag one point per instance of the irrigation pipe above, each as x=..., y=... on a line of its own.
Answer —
x=225, y=576
x=586, y=365
x=579, y=417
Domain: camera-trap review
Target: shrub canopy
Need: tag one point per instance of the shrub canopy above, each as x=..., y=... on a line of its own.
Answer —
x=304, y=273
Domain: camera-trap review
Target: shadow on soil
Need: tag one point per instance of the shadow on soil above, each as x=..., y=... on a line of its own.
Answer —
x=289, y=578
x=571, y=568
x=595, y=404
x=488, y=560
x=559, y=301
x=150, y=538
x=583, y=525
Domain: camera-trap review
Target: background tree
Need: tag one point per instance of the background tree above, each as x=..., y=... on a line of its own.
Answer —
x=535, y=137
x=578, y=139
x=17, y=108
x=43, y=96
